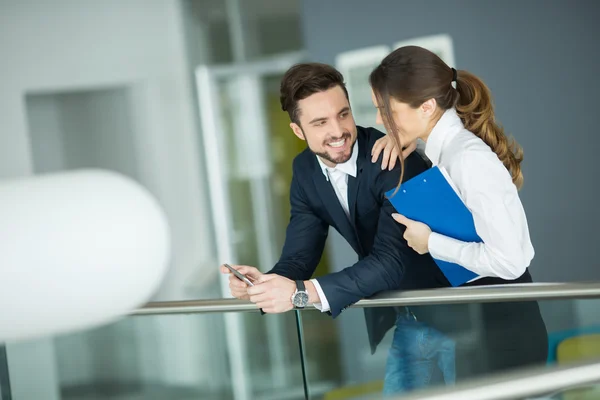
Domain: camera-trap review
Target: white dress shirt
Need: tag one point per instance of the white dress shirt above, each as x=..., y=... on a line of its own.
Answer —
x=485, y=186
x=338, y=177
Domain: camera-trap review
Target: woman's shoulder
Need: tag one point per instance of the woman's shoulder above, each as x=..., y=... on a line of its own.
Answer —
x=472, y=162
x=466, y=146
x=469, y=154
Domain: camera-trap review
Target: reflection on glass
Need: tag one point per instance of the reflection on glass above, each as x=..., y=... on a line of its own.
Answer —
x=4, y=375
x=591, y=392
x=483, y=339
x=167, y=357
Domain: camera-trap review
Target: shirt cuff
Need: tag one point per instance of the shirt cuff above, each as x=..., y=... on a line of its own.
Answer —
x=440, y=247
x=323, y=306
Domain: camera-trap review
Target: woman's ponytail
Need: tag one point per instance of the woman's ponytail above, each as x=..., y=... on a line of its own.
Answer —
x=475, y=109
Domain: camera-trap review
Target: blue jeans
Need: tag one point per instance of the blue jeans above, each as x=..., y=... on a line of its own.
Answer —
x=420, y=356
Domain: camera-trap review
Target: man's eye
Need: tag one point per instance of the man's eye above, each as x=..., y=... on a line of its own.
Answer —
x=321, y=123
x=344, y=115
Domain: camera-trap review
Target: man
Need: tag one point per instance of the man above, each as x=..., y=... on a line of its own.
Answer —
x=335, y=184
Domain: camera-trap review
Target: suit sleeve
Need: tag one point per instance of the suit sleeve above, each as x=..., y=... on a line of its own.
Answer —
x=384, y=267
x=304, y=240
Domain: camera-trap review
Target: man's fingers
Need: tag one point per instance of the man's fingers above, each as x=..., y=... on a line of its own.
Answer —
x=272, y=309
x=260, y=298
x=244, y=269
x=224, y=269
x=240, y=295
x=266, y=277
x=234, y=282
x=253, y=274
x=259, y=289
x=266, y=303
x=239, y=292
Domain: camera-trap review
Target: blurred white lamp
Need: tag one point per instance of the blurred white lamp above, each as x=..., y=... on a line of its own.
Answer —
x=77, y=250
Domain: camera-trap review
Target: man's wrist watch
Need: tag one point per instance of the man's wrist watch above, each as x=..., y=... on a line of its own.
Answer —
x=300, y=296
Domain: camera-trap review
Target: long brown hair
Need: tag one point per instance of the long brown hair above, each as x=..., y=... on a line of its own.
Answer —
x=414, y=75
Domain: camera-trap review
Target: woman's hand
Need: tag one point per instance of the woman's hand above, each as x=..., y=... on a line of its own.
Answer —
x=390, y=153
x=416, y=234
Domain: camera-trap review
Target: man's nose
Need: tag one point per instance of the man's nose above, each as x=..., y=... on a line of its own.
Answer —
x=337, y=130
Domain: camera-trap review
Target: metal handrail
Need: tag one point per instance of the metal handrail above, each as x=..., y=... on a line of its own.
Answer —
x=517, y=384
x=461, y=295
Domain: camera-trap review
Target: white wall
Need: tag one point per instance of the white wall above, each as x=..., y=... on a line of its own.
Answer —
x=70, y=45
x=87, y=129
x=44, y=121
x=80, y=45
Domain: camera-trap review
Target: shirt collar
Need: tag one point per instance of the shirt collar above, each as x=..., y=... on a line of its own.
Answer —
x=445, y=129
x=349, y=167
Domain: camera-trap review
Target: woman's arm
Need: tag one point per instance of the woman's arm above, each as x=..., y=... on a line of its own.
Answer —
x=487, y=190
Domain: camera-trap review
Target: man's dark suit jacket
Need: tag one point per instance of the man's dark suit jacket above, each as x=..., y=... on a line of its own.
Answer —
x=385, y=260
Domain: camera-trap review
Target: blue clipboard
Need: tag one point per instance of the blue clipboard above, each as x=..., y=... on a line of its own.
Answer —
x=429, y=198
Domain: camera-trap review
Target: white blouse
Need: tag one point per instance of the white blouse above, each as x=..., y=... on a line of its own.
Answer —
x=485, y=186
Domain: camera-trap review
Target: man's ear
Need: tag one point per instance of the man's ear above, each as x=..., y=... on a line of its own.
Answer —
x=429, y=107
x=297, y=131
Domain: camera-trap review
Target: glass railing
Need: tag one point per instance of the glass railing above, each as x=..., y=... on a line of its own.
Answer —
x=196, y=356
x=573, y=382
x=222, y=349
x=454, y=344
x=579, y=381
x=4, y=377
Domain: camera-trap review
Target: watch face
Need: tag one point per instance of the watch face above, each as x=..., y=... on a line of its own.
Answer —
x=300, y=299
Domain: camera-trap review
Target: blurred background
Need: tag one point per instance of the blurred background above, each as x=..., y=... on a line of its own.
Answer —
x=183, y=96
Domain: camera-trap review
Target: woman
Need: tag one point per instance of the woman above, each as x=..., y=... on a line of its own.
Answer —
x=415, y=97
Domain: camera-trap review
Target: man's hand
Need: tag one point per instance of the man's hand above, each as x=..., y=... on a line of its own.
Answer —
x=273, y=293
x=238, y=288
x=416, y=233
x=390, y=153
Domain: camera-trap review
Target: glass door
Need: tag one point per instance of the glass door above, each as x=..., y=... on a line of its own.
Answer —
x=244, y=146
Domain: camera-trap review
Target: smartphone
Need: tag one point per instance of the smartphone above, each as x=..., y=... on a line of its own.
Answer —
x=239, y=275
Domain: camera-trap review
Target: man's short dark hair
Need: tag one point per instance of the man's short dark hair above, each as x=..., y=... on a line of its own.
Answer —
x=303, y=80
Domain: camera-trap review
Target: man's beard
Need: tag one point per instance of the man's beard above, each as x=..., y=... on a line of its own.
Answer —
x=341, y=158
